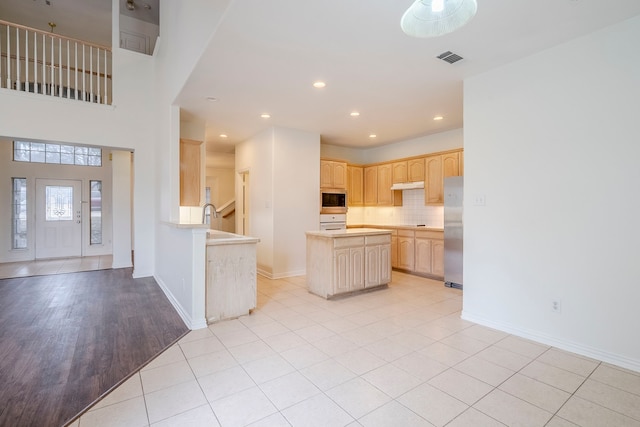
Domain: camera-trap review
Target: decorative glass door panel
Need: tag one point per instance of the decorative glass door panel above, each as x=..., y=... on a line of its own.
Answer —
x=59, y=203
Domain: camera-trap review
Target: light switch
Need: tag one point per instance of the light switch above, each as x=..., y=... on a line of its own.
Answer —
x=479, y=200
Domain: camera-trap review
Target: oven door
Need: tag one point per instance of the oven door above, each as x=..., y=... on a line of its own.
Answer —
x=333, y=226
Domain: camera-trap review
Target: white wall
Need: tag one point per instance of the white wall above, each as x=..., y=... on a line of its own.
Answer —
x=552, y=142
x=122, y=209
x=284, y=176
x=443, y=141
x=296, y=202
x=255, y=156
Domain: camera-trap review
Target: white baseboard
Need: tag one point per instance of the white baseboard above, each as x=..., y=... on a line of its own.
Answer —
x=186, y=318
x=270, y=275
x=581, y=349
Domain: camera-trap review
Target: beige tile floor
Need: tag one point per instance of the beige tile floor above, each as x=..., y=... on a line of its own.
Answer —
x=395, y=357
x=54, y=266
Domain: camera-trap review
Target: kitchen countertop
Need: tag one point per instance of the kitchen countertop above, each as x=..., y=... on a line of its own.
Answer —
x=393, y=227
x=348, y=232
x=217, y=237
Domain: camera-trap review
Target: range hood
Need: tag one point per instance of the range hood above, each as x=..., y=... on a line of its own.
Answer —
x=408, y=185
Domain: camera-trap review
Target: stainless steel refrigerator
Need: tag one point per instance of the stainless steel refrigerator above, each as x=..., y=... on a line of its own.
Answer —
x=453, y=190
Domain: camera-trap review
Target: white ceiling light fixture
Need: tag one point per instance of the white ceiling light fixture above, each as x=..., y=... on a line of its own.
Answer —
x=432, y=18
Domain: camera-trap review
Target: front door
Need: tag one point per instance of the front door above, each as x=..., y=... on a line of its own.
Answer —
x=58, y=218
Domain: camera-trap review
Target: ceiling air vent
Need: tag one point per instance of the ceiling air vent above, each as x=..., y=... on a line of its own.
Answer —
x=450, y=57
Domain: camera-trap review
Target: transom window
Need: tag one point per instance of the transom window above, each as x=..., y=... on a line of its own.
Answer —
x=44, y=152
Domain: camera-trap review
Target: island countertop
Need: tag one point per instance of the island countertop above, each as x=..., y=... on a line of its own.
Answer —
x=217, y=237
x=349, y=232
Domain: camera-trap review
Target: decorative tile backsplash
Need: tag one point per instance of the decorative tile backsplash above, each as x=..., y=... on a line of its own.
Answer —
x=412, y=212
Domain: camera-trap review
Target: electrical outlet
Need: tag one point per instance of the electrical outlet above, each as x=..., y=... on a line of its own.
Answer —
x=556, y=306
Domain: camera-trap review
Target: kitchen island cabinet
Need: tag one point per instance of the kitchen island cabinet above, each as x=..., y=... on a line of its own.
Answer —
x=347, y=261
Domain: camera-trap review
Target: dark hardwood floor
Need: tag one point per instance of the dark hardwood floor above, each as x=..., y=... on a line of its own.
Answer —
x=67, y=339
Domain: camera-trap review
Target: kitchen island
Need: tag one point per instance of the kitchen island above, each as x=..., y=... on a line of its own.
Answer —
x=231, y=285
x=341, y=262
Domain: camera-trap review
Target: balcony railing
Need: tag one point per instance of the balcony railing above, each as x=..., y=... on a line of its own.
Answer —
x=45, y=63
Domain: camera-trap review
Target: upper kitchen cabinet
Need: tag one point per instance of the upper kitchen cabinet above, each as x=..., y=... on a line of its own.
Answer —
x=415, y=170
x=387, y=196
x=190, y=169
x=436, y=169
x=333, y=174
x=408, y=170
x=371, y=186
x=399, y=172
x=355, y=185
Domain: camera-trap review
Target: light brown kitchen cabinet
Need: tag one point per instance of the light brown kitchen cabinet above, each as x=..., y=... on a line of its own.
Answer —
x=423, y=255
x=190, y=160
x=451, y=164
x=433, y=180
x=406, y=250
x=437, y=257
x=385, y=180
x=399, y=172
x=429, y=247
x=437, y=168
x=355, y=185
x=333, y=174
x=387, y=196
x=408, y=171
x=415, y=170
x=371, y=186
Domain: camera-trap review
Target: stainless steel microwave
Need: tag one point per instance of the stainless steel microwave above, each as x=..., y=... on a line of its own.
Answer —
x=333, y=201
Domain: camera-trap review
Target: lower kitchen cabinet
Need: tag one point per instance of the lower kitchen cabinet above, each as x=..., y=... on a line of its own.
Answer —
x=437, y=258
x=406, y=250
x=418, y=251
x=423, y=256
x=347, y=261
x=429, y=247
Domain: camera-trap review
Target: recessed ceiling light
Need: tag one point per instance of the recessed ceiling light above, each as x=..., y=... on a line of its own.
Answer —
x=438, y=117
x=223, y=135
x=319, y=84
x=265, y=115
x=211, y=99
x=355, y=114
x=373, y=135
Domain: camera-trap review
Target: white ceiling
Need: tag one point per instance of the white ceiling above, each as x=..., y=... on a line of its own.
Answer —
x=265, y=55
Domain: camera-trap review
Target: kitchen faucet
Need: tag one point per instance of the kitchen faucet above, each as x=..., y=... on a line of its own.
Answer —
x=213, y=208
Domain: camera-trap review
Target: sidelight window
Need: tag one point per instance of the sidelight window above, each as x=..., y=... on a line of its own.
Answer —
x=95, y=219
x=19, y=213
